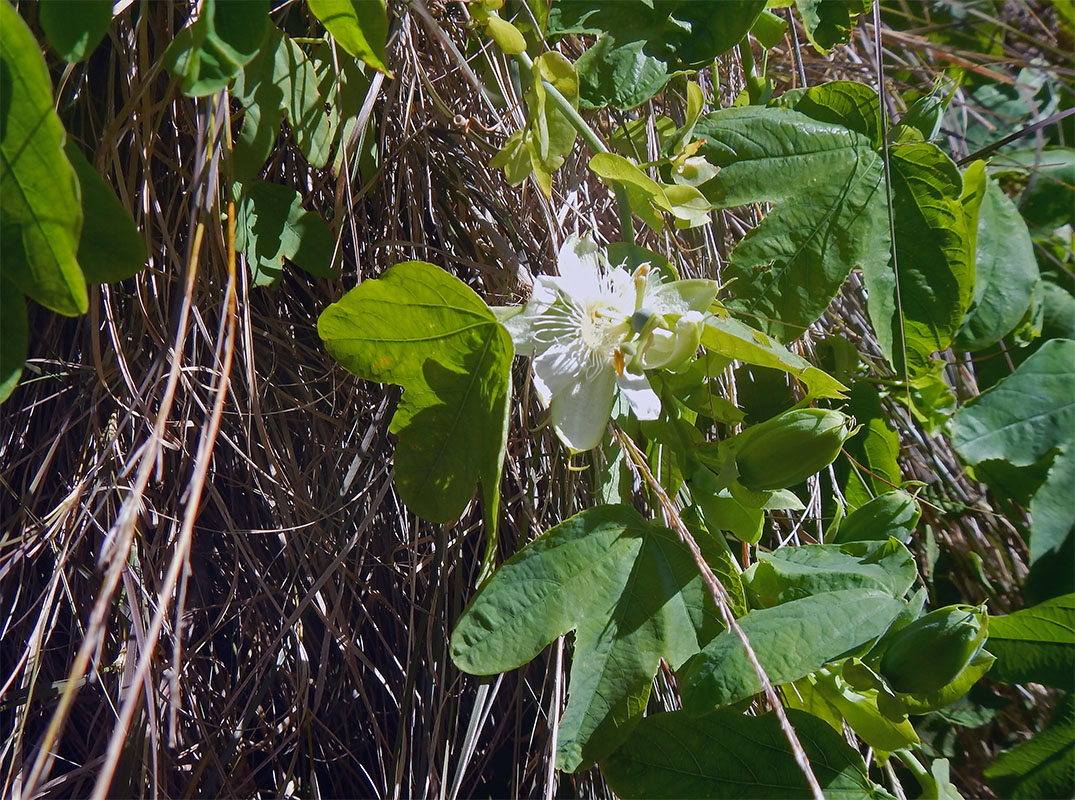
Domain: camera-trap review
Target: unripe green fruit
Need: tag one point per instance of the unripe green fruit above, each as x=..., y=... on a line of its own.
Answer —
x=889, y=514
x=930, y=653
x=788, y=449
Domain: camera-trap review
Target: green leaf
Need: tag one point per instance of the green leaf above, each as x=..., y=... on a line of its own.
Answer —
x=631, y=139
x=507, y=37
x=40, y=213
x=860, y=710
x=280, y=79
x=1035, y=645
x=359, y=26
x=849, y=104
x=1052, y=523
x=828, y=217
x=14, y=336
x=894, y=514
x=1021, y=420
x=1006, y=273
x=829, y=22
x=74, y=27
x=110, y=248
x=875, y=449
x=271, y=225
x=682, y=33
x=425, y=330
x=632, y=594
x=726, y=754
x=934, y=260
x=791, y=640
x=1043, y=766
x=208, y=54
x=733, y=339
x=619, y=75
x=1048, y=199
x=791, y=573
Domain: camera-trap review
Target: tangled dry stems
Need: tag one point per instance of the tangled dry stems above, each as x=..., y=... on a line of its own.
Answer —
x=303, y=611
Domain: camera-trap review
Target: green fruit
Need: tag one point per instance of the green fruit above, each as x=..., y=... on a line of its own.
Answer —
x=933, y=650
x=789, y=448
x=889, y=514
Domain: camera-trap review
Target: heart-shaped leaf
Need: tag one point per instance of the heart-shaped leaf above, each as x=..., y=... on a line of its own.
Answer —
x=425, y=330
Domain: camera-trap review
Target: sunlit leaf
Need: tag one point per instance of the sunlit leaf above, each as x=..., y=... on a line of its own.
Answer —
x=934, y=260
x=425, y=330
x=359, y=26
x=40, y=211
x=733, y=339
x=790, y=573
x=828, y=217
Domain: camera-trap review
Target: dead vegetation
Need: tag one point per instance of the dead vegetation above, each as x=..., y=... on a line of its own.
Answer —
x=208, y=585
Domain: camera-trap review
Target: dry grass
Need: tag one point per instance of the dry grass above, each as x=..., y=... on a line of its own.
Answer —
x=208, y=584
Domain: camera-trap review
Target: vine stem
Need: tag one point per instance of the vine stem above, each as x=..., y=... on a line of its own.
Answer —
x=723, y=601
x=589, y=135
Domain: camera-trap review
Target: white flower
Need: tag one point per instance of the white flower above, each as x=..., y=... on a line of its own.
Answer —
x=592, y=332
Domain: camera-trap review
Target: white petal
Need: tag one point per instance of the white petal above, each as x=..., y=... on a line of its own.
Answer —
x=581, y=412
x=559, y=367
x=644, y=401
x=580, y=273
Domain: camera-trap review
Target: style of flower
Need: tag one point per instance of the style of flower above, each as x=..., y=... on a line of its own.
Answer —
x=594, y=332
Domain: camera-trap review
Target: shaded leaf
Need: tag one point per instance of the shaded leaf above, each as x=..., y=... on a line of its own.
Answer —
x=74, y=27
x=632, y=594
x=829, y=22
x=727, y=754
x=1006, y=273
x=875, y=449
x=1036, y=644
x=1043, y=766
x=209, y=53
x=359, y=26
x=14, y=336
x=110, y=248
x=40, y=212
x=272, y=226
x=425, y=330
x=791, y=640
x=280, y=79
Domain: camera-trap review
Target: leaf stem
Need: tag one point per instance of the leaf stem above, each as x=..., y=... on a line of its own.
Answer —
x=589, y=135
